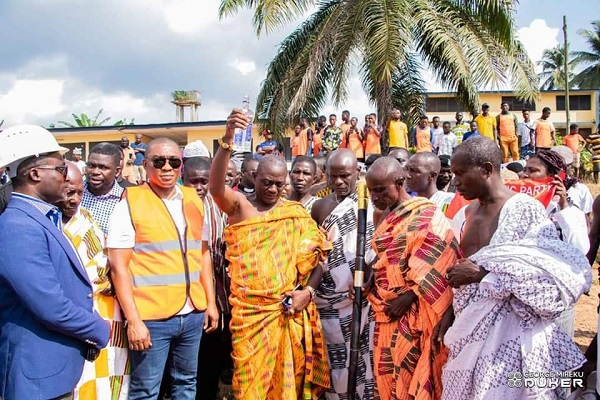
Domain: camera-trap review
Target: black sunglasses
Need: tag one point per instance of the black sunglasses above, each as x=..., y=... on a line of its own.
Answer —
x=159, y=162
x=63, y=169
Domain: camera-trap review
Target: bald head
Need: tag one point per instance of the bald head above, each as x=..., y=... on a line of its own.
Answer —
x=271, y=164
x=342, y=172
x=386, y=169
x=73, y=173
x=478, y=151
x=342, y=157
x=73, y=193
x=428, y=161
x=400, y=154
x=156, y=144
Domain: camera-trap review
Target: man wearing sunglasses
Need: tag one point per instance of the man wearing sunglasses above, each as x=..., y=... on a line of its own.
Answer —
x=157, y=246
x=274, y=248
x=46, y=311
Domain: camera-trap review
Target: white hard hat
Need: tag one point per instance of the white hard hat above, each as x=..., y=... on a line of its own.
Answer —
x=23, y=141
x=195, y=149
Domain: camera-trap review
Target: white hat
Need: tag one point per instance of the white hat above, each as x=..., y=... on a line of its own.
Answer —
x=565, y=152
x=20, y=142
x=195, y=149
x=78, y=150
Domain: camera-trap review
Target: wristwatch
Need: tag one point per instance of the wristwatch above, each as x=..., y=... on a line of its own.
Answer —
x=225, y=145
x=311, y=290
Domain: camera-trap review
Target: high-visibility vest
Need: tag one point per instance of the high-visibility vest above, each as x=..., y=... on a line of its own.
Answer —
x=507, y=126
x=165, y=268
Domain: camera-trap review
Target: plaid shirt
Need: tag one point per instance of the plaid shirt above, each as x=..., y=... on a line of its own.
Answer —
x=101, y=207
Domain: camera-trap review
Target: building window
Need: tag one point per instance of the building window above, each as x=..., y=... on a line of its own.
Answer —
x=517, y=104
x=576, y=102
x=443, y=104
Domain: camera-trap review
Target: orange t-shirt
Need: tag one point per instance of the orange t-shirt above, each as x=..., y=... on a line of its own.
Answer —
x=372, y=145
x=572, y=142
x=543, y=133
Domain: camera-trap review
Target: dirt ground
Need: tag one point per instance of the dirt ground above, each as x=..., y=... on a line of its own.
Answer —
x=586, y=315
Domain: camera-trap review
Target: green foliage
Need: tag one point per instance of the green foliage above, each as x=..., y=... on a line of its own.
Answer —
x=552, y=76
x=589, y=77
x=465, y=44
x=83, y=120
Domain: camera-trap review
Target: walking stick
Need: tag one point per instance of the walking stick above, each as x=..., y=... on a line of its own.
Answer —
x=363, y=199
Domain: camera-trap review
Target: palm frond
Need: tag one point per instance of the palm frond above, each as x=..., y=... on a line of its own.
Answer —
x=268, y=14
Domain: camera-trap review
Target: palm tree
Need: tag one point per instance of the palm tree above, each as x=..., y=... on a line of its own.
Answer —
x=466, y=44
x=552, y=76
x=589, y=77
x=84, y=120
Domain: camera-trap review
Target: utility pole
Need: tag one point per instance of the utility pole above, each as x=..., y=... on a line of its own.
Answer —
x=566, y=61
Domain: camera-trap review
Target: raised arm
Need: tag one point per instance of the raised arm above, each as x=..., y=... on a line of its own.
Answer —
x=224, y=196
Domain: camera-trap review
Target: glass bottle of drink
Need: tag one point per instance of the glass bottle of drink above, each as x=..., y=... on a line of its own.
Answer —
x=242, y=139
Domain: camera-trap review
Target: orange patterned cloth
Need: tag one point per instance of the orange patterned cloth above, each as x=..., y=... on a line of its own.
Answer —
x=276, y=355
x=414, y=245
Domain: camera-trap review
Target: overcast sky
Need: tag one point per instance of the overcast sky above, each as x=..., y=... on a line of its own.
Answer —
x=126, y=56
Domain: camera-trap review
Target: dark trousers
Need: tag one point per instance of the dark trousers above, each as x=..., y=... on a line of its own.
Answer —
x=214, y=358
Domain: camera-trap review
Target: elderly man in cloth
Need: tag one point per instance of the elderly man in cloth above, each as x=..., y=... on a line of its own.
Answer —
x=274, y=248
x=518, y=278
x=414, y=245
x=337, y=215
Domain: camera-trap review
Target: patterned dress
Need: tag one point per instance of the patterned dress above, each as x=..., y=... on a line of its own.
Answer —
x=415, y=246
x=107, y=378
x=276, y=355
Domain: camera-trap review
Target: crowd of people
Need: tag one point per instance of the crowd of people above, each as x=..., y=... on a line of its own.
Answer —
x=148, y=272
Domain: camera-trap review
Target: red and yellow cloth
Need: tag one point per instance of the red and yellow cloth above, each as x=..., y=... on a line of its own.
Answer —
x=276, y=355
x=415, y=245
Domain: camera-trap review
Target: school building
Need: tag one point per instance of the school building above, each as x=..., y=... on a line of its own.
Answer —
x=583, y=105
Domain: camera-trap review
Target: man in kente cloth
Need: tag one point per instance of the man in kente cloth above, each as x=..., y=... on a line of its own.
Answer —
x=337, y=215
x=274, y=248
x=409, y=294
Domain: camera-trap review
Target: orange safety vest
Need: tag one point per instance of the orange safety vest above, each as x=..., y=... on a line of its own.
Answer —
x=165, y=268
x=507, y=126
x=423, y=139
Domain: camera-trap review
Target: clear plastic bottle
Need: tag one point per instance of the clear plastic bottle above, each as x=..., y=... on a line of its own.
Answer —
x=242, y=139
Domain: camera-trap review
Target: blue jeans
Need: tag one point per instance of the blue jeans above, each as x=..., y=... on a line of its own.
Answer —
x=176, y=338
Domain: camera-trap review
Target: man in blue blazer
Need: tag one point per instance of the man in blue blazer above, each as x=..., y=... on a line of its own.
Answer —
x=47, y=322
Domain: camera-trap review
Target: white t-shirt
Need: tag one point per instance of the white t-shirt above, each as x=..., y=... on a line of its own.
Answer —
x=446, y=144
x=436, y=135
x=581, y=197
x=121, y=233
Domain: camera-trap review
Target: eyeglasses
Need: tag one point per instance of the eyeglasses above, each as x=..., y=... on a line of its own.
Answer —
x=63, y=169
x=159, y=162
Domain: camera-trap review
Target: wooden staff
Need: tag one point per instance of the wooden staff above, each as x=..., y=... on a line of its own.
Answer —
x=363, y=200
